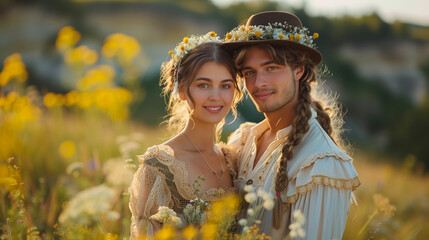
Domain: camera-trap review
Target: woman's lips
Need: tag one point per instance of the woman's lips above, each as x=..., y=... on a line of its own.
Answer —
x=213, y=109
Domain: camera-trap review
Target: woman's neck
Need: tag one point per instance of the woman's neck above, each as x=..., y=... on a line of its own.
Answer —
x=201, y=135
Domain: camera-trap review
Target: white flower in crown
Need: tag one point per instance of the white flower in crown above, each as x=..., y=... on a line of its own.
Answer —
x=276, y=31
x=189, y=43
x=278, y=34
x=257, y=31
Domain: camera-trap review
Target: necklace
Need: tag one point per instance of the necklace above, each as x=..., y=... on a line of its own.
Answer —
x=205, y=160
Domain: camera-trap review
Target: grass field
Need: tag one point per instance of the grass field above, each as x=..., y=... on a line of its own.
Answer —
x=66, y=160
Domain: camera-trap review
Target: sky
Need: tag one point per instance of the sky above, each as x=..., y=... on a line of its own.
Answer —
x=410, y=11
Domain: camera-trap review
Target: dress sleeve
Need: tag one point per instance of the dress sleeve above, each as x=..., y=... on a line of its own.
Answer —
x=148, y=191
x=325, y=209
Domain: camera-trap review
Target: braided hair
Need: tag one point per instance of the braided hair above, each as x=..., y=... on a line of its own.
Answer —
x=309, y=96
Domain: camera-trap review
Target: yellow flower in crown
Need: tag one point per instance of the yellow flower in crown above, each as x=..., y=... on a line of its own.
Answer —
x=276, y=31
x=190, y=42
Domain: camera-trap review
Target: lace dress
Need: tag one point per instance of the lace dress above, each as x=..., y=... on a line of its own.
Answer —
x=162, y=180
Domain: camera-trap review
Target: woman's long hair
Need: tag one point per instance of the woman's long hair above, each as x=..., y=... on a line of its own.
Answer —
x=181, y=76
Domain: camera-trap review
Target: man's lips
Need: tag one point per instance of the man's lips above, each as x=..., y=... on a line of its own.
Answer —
x=263, y=95
x=213, y=109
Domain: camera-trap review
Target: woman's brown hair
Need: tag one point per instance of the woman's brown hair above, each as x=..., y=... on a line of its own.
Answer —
x=181, y=76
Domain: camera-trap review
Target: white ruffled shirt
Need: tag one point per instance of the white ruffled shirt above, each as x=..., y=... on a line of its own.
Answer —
x=321, y=179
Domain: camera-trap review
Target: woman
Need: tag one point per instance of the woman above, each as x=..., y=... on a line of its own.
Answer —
x=201, y=85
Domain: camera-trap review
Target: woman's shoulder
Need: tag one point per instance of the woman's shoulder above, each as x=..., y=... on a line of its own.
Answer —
x=161, y=153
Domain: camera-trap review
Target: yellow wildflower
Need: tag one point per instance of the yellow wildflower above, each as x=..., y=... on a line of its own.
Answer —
x=298, y=37
x=258, y=33
x=125, y=48
x=185, y=39
x=236, y=38
x=281, y=36
x=50, y=100
x=291, y=37
x=166, y=233
x=111, y=236
x=242, y=28
x=209, y=231
x=71, y=98
x=182, y=48
x=228, y=36
x=315, y=35
x=67, y=149
x=213, y=34
x=189, y=232
x=13, y=68
x=251, y=28
x=67, y=38
x=170, y=52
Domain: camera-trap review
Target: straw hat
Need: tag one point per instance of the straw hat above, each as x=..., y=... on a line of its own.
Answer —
x=273, y=28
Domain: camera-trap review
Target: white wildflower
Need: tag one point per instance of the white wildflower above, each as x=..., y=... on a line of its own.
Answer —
x=113, y=215
x=127, y=147
x=166, y=215
x=118, y=174
x=296, y=229
x=87, y=206
x=250, y=212
x=299, y=217
x=250, y=197
x=242, y=222
x=249, y=188
x=268, y=204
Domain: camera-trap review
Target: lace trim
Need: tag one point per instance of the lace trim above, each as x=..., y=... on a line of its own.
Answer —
x=338, y=183
x=338, y=155
x=165, y=155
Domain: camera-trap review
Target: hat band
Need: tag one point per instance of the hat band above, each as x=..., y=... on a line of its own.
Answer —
x=275, y=31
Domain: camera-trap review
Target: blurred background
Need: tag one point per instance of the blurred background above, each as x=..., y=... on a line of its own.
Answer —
x=80, y=98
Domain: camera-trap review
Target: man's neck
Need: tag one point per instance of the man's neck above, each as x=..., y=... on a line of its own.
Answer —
x=280, y=119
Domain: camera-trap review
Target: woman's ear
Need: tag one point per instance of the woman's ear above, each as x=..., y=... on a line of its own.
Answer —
x=298, y=72
x=182, y=93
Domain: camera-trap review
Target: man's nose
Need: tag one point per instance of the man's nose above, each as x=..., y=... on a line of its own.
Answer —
x=260, y=79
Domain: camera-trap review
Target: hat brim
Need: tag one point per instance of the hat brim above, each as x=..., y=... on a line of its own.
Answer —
x=314, y=55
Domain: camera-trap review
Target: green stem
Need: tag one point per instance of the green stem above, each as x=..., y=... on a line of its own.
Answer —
x=367, y=222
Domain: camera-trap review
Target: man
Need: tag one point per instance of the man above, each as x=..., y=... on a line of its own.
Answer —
x=295, y=152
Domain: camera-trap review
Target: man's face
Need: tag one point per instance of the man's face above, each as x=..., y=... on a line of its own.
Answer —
x=272, y=86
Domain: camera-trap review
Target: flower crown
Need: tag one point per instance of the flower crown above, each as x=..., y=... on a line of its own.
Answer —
x=189, y=43
x=275, y=31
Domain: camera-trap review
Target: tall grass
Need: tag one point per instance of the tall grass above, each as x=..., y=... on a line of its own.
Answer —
x=66, y=160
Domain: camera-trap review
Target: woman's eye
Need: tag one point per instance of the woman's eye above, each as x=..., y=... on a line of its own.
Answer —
x=202, y=85
x=226, y=86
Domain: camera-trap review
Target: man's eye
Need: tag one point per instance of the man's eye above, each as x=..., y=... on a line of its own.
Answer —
x=248, y=73
x=272, y=68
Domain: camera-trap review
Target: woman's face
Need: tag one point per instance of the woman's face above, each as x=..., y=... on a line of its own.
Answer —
x=212, y=92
